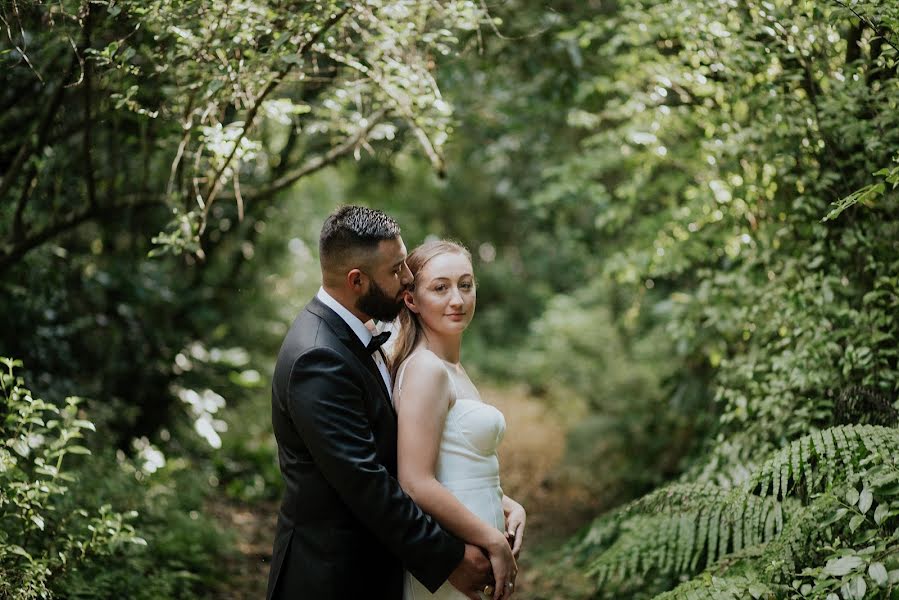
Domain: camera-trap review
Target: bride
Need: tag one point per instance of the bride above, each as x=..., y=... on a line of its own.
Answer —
x=447, y=435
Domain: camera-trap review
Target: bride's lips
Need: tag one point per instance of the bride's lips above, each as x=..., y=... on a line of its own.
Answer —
x=456, y=316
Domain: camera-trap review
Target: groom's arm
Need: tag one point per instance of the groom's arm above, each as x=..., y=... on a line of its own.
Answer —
x=325, y=402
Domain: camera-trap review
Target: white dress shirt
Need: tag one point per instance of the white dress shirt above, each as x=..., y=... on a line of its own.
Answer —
x=361, y=332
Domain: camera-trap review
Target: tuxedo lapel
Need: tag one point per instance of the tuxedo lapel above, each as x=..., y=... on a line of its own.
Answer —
x=372, y=367
x=351, y=341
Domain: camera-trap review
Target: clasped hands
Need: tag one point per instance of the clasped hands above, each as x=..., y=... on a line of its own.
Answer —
x=492, y=571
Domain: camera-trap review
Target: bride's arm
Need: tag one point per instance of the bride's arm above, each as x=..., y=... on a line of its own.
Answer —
x=422, y=406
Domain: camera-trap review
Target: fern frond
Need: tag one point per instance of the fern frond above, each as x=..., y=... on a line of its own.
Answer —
x=684, y=527
x=838, y=450
x=799, y=534
x=680, y=528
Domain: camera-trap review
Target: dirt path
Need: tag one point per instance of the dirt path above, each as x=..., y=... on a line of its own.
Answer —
x=529, y=457
x=253, y=526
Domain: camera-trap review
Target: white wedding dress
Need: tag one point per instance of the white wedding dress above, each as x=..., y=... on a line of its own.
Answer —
x=467, y=465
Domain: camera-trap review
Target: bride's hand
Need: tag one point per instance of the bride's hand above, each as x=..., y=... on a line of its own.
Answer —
x=505, y=569
x=515, y=520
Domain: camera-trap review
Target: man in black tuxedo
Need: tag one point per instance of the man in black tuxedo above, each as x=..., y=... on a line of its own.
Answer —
x=346, y=529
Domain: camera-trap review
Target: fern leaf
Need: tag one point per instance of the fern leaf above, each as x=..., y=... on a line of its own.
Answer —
x=724, y=532
x=830, y=449
x=714, y=528
x=701, y=538
x=796, y=460
x=685, y=527
x=687, y=538
x=845, y=452
x=737, y=517
x=805, y=449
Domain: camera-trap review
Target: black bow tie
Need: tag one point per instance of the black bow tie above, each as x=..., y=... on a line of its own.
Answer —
x=377, y=341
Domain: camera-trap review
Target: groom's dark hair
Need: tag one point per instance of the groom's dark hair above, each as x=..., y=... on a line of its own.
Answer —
x=351, y=232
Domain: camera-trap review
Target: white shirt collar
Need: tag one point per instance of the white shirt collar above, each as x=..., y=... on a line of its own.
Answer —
x=349, y=318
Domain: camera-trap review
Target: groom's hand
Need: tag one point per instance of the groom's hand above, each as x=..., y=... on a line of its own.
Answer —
x=473, y=573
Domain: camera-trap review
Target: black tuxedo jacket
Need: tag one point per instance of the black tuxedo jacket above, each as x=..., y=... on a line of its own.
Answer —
x=345, y=528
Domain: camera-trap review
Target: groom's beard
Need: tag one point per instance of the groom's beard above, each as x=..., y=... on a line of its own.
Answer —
x=378, y=305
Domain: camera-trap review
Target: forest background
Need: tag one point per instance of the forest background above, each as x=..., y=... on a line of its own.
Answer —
x=683, y=216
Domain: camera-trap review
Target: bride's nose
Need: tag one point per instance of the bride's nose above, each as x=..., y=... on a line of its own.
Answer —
x=456, y=297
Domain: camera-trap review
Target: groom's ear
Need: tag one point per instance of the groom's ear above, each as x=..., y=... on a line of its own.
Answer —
x=354, y=280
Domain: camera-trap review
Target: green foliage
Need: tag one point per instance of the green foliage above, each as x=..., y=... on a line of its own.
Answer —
x=174, y=130
x=90, y=524
x=739, y=159
x=148, y=255
x=41, y=534
x=818, y=517
x=683, y=215
x=622, y=447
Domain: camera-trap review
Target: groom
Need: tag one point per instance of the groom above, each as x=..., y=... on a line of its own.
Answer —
x=346, y=529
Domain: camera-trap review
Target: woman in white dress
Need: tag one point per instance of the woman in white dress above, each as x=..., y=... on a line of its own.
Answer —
x=448, y=436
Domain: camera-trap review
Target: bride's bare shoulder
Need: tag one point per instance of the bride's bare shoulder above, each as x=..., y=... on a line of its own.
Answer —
x=423, y=367
x=422, y=359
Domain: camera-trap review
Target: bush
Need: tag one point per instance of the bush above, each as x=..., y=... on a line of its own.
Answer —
x=77, y=523
x=41, y=534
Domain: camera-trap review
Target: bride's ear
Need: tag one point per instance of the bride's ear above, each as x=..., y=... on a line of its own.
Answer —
x=410, y=301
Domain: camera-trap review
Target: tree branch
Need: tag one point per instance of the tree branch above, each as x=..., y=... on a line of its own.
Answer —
x=314, y=164
x=22, y=51
x=436, y=159
x=40, y=132
x=216, y=182
x=867, y=21
x=89, y=177
x=14, y=253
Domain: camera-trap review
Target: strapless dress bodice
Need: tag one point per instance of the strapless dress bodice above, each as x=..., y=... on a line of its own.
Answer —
x=471, y=435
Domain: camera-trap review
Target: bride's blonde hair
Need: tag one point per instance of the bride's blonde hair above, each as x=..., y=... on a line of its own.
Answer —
x=410, y=329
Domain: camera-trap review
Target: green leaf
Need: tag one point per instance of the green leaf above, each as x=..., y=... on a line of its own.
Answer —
x=855, y=588
x=19, y=551
x=77, y=450
x=38, y=521
x=881, y=512
x=82, y=424
x=856, y=521
x=843, y=566
x=865, y=499
x=878, y=574
x=21, y=447
x=214, y=86
x=864, y=195
x=852, y=496
x=292, y=59
x=836, y=516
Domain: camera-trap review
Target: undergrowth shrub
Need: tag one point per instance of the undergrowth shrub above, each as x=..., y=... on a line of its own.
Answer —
x=817, y=519
x=83, y=523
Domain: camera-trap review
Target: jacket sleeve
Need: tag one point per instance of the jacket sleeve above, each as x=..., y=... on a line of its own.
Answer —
x=325, y=402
